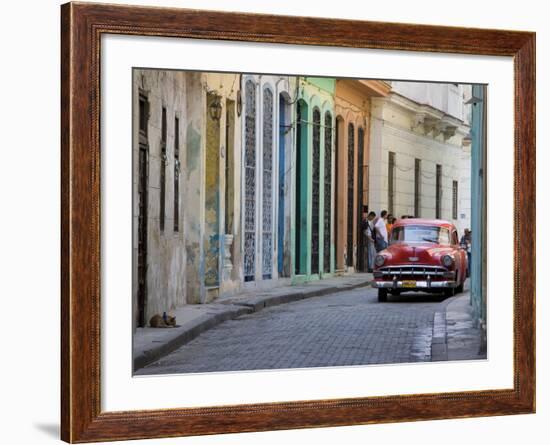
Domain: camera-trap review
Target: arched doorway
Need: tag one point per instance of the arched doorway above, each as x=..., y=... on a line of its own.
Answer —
x=350, y=195
x=315, y=190
x=327, y=211
x=300, y=246
x=361, y=242
x=340, y=187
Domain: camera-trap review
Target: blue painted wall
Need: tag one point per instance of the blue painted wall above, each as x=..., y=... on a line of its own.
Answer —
x=478, y=299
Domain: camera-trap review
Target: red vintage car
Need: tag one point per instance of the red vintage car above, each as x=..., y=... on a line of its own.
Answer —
x=422, y=255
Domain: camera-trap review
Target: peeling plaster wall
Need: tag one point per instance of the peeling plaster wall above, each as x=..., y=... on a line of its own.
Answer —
x=212, y=199
x=192, y=186
x=223, y=181
x=166, y=253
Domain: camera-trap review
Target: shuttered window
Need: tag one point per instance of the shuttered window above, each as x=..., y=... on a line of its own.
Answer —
x=438, y=191
x=162, y=170
x=455, y=199
x=176, y=174
x=391, y=181
x=417, y=187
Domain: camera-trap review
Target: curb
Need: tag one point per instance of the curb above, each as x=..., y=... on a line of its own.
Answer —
x=182, y=336
x=258, y=303
x=439, y=336
x=234, y=310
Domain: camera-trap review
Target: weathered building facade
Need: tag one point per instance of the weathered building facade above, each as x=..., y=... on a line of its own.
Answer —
x=186, y=187
x=266, y=199
x=419, y=156
x=313, y=172
x=243, y=181
x=352, y=107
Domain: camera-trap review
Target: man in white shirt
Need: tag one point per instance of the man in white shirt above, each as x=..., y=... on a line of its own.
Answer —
x=381, y=234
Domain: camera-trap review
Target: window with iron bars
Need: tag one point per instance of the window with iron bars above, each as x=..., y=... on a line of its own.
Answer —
x=391, y=181
x=455, y=199
x=162, y=206
x=438, y=191
x=176, y=174
x=417, y=187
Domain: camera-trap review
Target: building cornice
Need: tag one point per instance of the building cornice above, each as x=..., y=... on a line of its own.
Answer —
x=427, y=119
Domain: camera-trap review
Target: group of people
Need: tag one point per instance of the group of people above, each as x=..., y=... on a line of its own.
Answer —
x=376, y=229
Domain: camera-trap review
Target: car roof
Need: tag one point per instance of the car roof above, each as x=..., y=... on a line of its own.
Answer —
x=424, y=222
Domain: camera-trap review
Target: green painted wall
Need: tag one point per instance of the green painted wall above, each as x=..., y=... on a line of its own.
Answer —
x=325, y=83
x=316, y=92
x=477, y=275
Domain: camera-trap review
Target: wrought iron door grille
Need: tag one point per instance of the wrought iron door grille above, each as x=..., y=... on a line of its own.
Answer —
x=327, y=229
x=250, y=182
x=267, y=197
x=315, y=191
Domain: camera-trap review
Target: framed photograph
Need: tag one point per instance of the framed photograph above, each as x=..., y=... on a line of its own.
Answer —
x=274, y=222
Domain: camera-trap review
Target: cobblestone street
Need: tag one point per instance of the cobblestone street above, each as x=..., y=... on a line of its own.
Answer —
x=347, y=328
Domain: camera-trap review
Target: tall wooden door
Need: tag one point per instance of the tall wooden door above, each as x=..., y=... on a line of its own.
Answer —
x=282, y=179
x=361, y=244
x=142, y=197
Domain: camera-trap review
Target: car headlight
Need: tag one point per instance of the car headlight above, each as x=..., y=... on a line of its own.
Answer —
x=447, y=260
x=379, y=260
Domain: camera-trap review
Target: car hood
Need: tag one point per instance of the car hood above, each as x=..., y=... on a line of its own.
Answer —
x=404, y=253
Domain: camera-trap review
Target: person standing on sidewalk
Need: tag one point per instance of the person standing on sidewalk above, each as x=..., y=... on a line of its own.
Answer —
x=466, y=243
x=380, y=231
x=389, y=223
x=368, y=230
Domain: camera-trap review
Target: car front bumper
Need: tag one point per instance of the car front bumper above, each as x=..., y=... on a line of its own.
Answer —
x=412, y=285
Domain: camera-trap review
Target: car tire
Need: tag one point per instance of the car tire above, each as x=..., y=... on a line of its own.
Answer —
x=449, y=292
x=382, y=295
x=460, y=288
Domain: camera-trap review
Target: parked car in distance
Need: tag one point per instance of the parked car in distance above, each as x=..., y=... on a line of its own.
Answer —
x=422, y=255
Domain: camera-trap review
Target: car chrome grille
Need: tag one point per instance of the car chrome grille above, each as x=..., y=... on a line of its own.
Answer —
x=411, y=272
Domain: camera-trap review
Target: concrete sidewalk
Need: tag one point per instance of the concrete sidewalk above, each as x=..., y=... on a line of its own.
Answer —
x=456, y=335
x=150, y=344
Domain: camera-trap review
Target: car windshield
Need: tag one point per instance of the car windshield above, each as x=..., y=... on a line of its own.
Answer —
x=420, y=234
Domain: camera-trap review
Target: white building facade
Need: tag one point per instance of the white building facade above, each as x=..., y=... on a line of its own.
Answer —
x=420, y=162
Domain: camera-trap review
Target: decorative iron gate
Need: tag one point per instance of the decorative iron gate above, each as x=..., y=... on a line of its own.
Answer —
x=250, y=182
x=315, y=191
x=267, y=198
x=327, y=221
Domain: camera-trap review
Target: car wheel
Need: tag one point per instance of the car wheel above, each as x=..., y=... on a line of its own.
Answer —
x=382, y=295
x=459, y=289
x=449, y=292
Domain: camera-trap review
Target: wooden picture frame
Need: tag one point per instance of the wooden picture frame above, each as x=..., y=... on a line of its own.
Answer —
x=82, y=26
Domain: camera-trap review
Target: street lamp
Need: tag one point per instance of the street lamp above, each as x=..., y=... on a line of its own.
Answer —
x=474, y=100
x=239, y=103
x=215, y=109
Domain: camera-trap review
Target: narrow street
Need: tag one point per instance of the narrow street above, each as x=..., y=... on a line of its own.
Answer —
x=342, y=329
